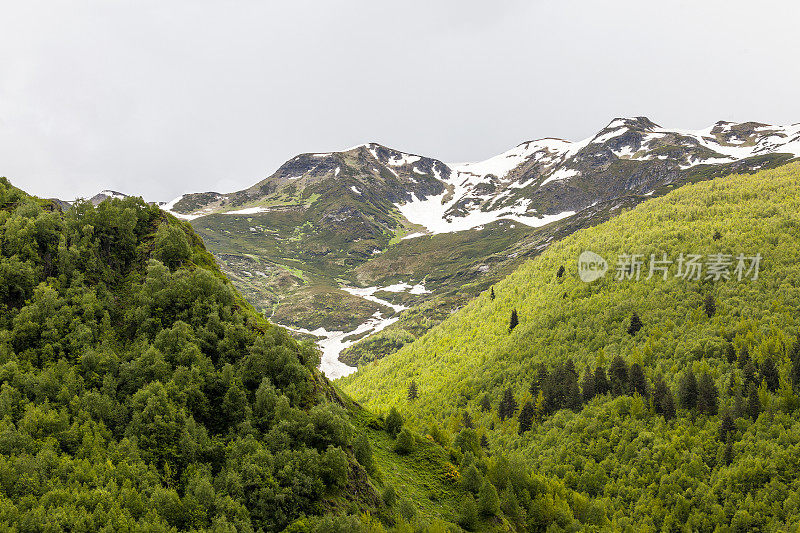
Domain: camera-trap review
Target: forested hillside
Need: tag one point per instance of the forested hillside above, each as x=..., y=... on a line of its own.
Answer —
x=140, y=392
x=666, y=403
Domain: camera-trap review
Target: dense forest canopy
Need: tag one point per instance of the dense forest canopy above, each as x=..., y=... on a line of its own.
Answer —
x=139, y=391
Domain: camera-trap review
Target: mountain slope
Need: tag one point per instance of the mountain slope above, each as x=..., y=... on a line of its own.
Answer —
x=645, y=469
x=307, y=244
x=140, y=391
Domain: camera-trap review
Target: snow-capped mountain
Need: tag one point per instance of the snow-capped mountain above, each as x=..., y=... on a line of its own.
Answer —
x=534, y=183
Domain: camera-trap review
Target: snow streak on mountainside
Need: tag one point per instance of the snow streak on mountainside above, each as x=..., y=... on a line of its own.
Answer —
x=534, y=183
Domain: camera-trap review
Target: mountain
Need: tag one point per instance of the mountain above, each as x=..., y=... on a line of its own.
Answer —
x=667, y=403
x=378, y=243
x=140, y=391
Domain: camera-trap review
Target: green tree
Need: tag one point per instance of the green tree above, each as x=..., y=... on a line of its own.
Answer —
x=635, y=324
x=508, y=405
x=687, y=390
x=514, y=320
x=526, y=417
x=488, y=501
x=172, y=246
x=769, y=372
x=469, y=514
x=404, y=444
x=394, y=422
x=413, y=392
x=638, y=383
x=710, y=305
x=588, y=389
x=707, y=395
x=618, y=374
x=753, y=402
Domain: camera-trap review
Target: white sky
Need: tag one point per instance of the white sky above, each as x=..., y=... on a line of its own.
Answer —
x=158, y=98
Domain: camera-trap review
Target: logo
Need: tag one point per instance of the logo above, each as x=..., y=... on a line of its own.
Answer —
x=591, y=266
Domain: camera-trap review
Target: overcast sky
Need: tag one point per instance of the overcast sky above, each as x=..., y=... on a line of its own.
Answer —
x=158, y=98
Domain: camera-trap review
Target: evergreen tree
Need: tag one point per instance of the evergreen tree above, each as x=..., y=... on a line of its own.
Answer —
x=526, y=417
x=471, y=479
x=413, y=392
x=485, y=403
x=730, y=352
x=794, y=367
x=492, y=293
x=744, y=357
x=488, y=502
x=469, y=514
x=394, y=422
x=749, y=374
x=569, y=383
x=601, y=385
x=738, y=403
x=638, y=383
x=538, y=381
x=635, y=325
x=668, y=406
x=769, y=373
x=618, y=374
x=710, y=305
x=514, y=320
x=726, y=426
x=717, y=235
x=707, y=395
x=404, y=443
x=363, y=453
x=687, y=391
x=753, y=402
x=560, y=271
x=588, y=390
x=484, y=442
x=729, y=450
x=508, y=405
x=466, y=419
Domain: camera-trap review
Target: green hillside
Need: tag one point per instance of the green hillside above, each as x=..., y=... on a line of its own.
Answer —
x=140, y=392
x=725, y=352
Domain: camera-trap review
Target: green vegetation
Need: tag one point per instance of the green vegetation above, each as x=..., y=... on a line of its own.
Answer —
x=686, y=413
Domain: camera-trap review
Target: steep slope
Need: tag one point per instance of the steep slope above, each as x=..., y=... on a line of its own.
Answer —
x=299, y=242
x=139, y=391
x=728, y=457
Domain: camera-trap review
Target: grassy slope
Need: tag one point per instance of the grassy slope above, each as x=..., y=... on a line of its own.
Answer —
x=472, y=353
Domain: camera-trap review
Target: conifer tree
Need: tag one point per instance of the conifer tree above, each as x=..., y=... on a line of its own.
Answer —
x=618, y=376
x=484, y=441
x=726, y=426
x=538, y=381
x=526, y=417
x=729, y=450
x=488, y=502
x=730, y=352
x=492, y=293
x=794, y=367
x=687, y=392
x=485, y=403
x=769, y=374
x=753, y=402
x=663, y=402
x=469, y=514
x=635, y=325
x=601, y=385
x=707, y=395
x=710, y=305
x=508, y=405
x=413, y=392
x=744, y=357
x=393, y=422
x=514, y=320
x=668, y=406
x=560, y=272
x=638, y=383
x=588, y=390
x=467, y=420
x=749, y=374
